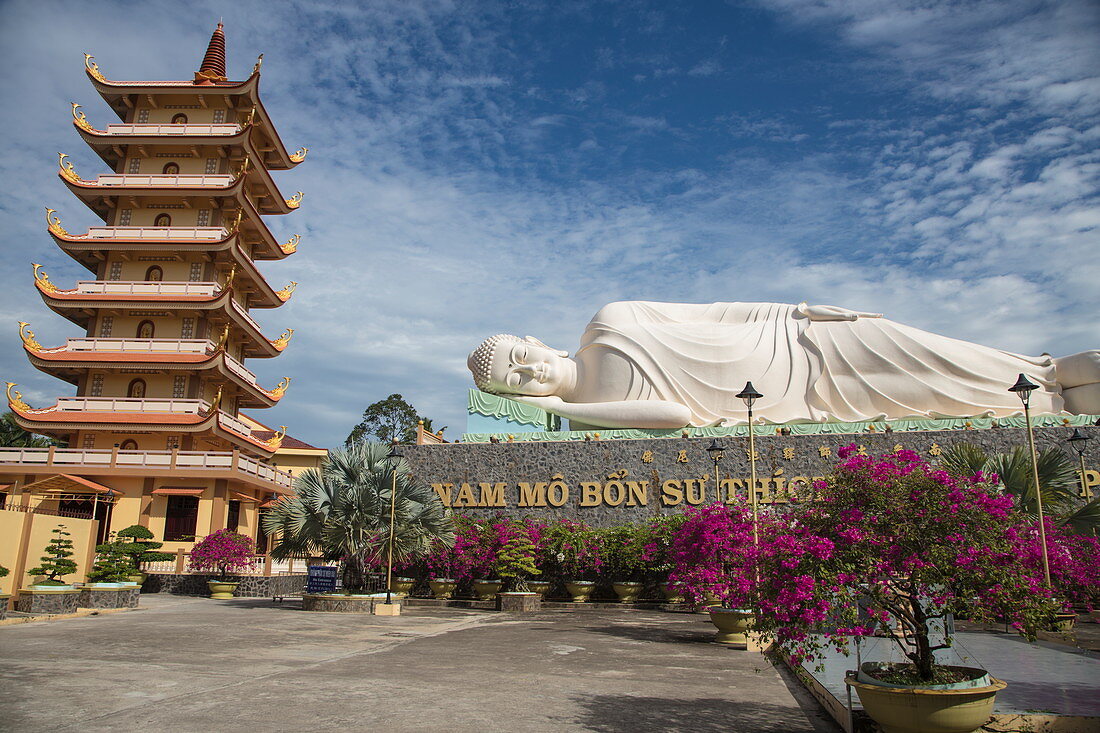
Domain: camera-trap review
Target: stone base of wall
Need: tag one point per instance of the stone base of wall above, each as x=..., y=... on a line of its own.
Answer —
x=109, y=597
x=518, y=602
x=249, y=586
x=47, y=601
x=342, y=604
x=5, y=599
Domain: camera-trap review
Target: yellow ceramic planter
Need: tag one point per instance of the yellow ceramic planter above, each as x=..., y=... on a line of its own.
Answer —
x=924, y=710
x=219, y=589
x=486, y=590
x=443, y=588
x=628, y=592
x=732, y=624
x=402, y=586
x=580, y=590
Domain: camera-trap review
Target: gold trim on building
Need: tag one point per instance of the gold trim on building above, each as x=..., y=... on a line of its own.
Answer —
x=42, y=280
x=299, y=155
x=281, y=342
x=53, y=222
x=92, y=67
x=291, y=245
x=16, y=402
x=295, y=201
x=285, y=293
x=80, y=120
x=28, y=337
x=67, y=171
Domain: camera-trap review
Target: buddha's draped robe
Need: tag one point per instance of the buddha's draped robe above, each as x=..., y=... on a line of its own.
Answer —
x=808, y=371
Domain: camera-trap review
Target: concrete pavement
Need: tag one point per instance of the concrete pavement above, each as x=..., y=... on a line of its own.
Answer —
x=190, y=664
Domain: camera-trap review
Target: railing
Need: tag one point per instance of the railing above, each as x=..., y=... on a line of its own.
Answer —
x=210, y=233
x=163, y=180
x=262, y=565
x=71, y=513
x=244, y=314
x=241, y=371
x=141, y=287
x=226, y=420
x=144, y=346
x=132, y=404
x=151, y=460
x=173, y=130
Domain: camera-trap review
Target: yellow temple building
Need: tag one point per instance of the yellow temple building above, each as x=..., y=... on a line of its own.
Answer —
x=155, y=434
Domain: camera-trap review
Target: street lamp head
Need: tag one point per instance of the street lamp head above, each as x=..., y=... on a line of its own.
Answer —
x=715, y=450
x=1078, y=440
x=394, y=455
x=1023, y=389
x=749, y=395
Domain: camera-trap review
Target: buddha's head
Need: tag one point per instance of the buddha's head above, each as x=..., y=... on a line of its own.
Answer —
x=506, y=364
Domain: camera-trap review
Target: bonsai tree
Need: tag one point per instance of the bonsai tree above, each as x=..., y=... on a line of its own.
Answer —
x=56, y=563
x=141, y=548
x=4, y=572
x=112, y=564
x=516, y=561
x=225, y=551
x=342, y=512
x=891, y=542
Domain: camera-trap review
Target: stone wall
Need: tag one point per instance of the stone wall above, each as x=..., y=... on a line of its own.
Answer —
x=109, y=597
x=47, y=601
x=611, y=482
x=251, y=586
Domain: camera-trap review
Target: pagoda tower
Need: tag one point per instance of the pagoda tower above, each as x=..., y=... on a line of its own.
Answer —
x=155, y=433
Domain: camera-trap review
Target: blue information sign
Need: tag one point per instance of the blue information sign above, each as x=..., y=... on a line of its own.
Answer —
x=321, y=579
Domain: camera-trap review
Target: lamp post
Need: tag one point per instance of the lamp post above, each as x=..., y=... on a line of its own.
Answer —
x=1079, y=441
x=1023, y=389
x=715, y=452
x=750, y=396
x=394, y=457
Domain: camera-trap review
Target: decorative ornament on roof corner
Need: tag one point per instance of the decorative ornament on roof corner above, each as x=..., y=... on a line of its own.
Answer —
x=222, y=340
x=80, y=120
x=217, y=403
x=15, y=399
x=92, y=67
x=279, y=390
x=229, y=279
x=296, y=200
x=276, y=440
x=281, y=342
x=42, y=280
x=244, y=166
x=235, y=225
x=259, y=63
x=251, y=117
x=285, y=293
x=292, y=245
x=299, y=155
x=53, y=222
x=67, y=172
x=28, y=337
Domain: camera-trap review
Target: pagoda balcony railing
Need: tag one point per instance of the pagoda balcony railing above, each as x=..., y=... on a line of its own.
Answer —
x=173, y=130
x=144, y=287
x=162, y=405
x=212, y=234
x=242, y=371
x=244, y=314
x=165, y=181
x=229, y=422
x=76, y=458
x=140, y=346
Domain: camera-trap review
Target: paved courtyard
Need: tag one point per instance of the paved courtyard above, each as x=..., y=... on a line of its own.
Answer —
x=190, y=664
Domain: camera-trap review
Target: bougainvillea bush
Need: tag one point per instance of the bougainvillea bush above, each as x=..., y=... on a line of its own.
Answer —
x=909, y=544
x=1074, y=561
x=577, y=550
x=225, y=551
x=712, y=554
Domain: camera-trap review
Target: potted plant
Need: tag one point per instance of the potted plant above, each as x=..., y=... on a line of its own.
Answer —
x=112, y=565
x=491, y=537
x=225, y=551
x=893, y=545
x=4, y=597
x=624, y=559
x=142, y=549
x=713, y=556
x=55, y=564
x=516, y=561
x=544, y=560
x=655, y=554
x=578, y=554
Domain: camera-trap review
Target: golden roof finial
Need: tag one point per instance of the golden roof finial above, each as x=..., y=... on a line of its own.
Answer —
x=54, y=222
x=220, y=345
x=279, y=390
x=236, y=223
x=15, y=399
x=42, y=280
x=281, y=342
x=229, y=280
x=244, y=166
x=285, y=293
x=28, y=337
x=292, y=245
x=299, y=156
x=92, y=67
x=251, y=117
x=295, y=201
x=67, y=170
x=259, y=63
x=80, y=120
x=217, y=401
x=276, y=440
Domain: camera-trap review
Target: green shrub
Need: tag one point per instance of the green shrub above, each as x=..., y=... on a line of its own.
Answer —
x=56, y=563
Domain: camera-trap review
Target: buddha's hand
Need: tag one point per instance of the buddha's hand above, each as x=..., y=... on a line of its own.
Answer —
x=832, y=313
x=549, y=403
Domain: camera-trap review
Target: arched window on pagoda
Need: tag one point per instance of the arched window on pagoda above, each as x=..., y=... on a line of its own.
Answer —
x=128, y=445
x=136, y=390
x=180, y=119
x=154, y=274
x=145, y=330
x=171, y=169
x=162, y=220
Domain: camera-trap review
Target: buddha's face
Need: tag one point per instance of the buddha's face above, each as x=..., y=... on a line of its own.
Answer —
x=528, y=368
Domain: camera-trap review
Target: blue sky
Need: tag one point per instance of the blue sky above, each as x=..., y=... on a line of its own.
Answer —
x=478, y=167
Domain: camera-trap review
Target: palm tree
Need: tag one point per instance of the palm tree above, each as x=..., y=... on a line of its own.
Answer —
x=1057, y=482
x=13, y=436
x=342, y=512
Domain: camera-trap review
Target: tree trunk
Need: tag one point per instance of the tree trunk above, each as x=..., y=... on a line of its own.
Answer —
x=924, y=655
x=354, y=579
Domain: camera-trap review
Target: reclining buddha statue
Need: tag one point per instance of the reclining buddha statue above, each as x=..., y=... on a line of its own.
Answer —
x=669, y=365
